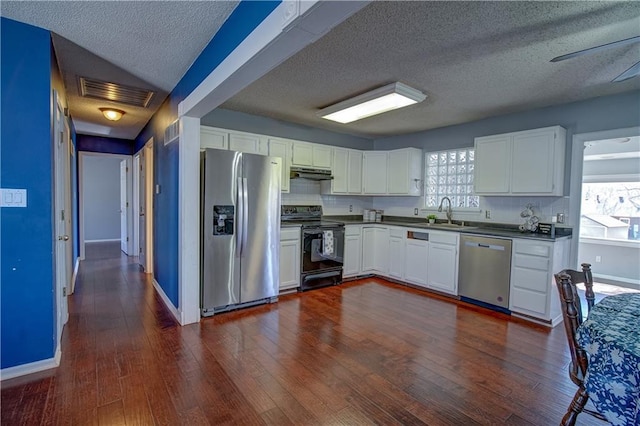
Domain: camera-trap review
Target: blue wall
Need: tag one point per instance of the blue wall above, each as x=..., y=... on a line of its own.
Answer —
x=28, y=305
x=104, y=144
x=244, y=19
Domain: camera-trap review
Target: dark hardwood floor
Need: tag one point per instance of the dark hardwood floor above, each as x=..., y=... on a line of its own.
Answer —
x=365, y=352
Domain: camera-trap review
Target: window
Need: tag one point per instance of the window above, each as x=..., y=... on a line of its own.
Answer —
x=450, y=174
x=610, y=210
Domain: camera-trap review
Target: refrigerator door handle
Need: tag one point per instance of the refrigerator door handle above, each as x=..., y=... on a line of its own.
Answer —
x=239, y=217
x=245, y=211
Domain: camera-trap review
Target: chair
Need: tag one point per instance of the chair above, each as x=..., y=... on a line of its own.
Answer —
x=566, y=281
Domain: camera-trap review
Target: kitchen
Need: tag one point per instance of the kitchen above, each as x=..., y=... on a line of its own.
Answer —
x=515, y=107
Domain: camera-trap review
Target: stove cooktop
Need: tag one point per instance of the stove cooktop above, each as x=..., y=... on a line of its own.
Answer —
x=307, y=216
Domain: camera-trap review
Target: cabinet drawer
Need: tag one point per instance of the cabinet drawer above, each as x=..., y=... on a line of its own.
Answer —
x=352, y=231
x=397, y=232
x=527, y=301
x=288, y=234
x=443, y=238
x=531, y=262
x=532, y=249
x=530, y=279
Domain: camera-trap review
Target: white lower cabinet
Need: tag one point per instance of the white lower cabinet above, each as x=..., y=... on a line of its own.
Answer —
x=396, y=253
x=289, y=258
x=415, y=265
x=352, y=251
x=375, y=250
x=443, y=262
x=533, y=289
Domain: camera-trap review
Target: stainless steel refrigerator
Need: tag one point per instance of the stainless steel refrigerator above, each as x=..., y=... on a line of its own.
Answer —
x=240, y=244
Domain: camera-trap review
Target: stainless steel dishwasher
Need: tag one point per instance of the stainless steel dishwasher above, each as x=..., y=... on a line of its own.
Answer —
x=485, y=270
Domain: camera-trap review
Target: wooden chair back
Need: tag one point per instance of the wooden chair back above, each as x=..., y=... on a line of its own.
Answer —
x=566, y=281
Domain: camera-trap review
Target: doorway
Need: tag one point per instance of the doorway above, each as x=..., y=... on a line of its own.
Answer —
x=143, y=202
x=105, y=186
x=63, y=236
x=605, y=207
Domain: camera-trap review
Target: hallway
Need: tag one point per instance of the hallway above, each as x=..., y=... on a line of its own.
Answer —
x=365, y=352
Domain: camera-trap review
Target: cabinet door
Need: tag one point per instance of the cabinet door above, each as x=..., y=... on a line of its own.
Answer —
x=352, y=251
x=354, y=172
x=302, y=154
x=415, y=267
x=397, y=172
x=244, y=143
x=213, y=138
x=339, y=184
x=368, y=249
x=281, y=148
x=381, y=244
x=289, y=264
x=374, y=173
x=396, y=257
x=443, y=268
x=532, y=167
x=492, y=164
x=321, y=156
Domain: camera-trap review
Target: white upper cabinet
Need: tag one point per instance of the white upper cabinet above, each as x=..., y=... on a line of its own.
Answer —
x=282, y=148
x=374, y=172
x=213, y=138
x=311, y=155
x=247, y=142
x=493, y=154
x=397, y=172
x=347, y=173
x=521, y=163
x=404, y=172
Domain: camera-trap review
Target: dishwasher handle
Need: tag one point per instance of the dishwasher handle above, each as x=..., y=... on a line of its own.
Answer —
x=484, y=246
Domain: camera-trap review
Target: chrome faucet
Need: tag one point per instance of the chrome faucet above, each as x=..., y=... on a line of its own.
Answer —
x=449, y=211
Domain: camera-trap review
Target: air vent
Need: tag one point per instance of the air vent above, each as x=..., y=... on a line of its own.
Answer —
x=115, y=92
x=172, y=132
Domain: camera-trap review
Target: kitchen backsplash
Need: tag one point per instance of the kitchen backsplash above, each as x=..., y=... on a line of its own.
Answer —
x=503, y=209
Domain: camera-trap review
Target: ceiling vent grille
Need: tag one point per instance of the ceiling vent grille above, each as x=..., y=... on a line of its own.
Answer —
x=115, y=92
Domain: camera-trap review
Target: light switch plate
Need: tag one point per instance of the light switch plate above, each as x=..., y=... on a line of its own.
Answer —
x=13, y=197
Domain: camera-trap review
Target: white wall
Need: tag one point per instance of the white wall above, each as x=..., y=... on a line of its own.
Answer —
x=307, y=192
x=101, y=197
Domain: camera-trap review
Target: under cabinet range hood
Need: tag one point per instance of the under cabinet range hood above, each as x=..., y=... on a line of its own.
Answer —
x=310, y=174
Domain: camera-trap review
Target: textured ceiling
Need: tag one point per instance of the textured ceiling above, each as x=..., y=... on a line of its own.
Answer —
x=472, y=59
x=145, y=44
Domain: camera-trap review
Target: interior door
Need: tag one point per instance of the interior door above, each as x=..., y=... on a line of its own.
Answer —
x=62, y=218
x=142, y=227
x=124, y=207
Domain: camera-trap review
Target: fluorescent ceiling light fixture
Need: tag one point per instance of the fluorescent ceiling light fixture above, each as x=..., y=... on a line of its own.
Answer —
x=112, y=113
x=382, y=99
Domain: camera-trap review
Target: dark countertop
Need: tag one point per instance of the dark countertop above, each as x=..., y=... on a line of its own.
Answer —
x=475, y=228
x=290, y=225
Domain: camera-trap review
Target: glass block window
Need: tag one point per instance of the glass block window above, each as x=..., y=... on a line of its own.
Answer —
x=450, y=174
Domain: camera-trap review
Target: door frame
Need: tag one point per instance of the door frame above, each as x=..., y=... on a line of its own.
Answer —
x=81, y=222
x=575, y=180
x=62, y=238
x=136, y=204
x=148, y=202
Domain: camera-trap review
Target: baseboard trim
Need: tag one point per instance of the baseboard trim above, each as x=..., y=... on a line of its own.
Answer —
x=32, y=367
x=618, y=281
x=167, y=301
x=74, y=276
x=102, y=241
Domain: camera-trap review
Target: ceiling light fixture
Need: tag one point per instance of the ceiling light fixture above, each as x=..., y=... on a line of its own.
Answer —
x=112, y=113
x=383, y=99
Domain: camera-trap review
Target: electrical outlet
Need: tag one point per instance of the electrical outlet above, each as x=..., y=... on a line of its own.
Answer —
x=487, y=214
x=415, y=212
x=598, y=259
x=350, y=208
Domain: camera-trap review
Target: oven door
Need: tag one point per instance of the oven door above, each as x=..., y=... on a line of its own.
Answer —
x=319, y=253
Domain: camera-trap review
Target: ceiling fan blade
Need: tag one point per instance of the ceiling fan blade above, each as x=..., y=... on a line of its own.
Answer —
x=630, y=73
x=590, y=50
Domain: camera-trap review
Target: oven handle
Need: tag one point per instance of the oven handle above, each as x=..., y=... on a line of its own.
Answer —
x=312, y=231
